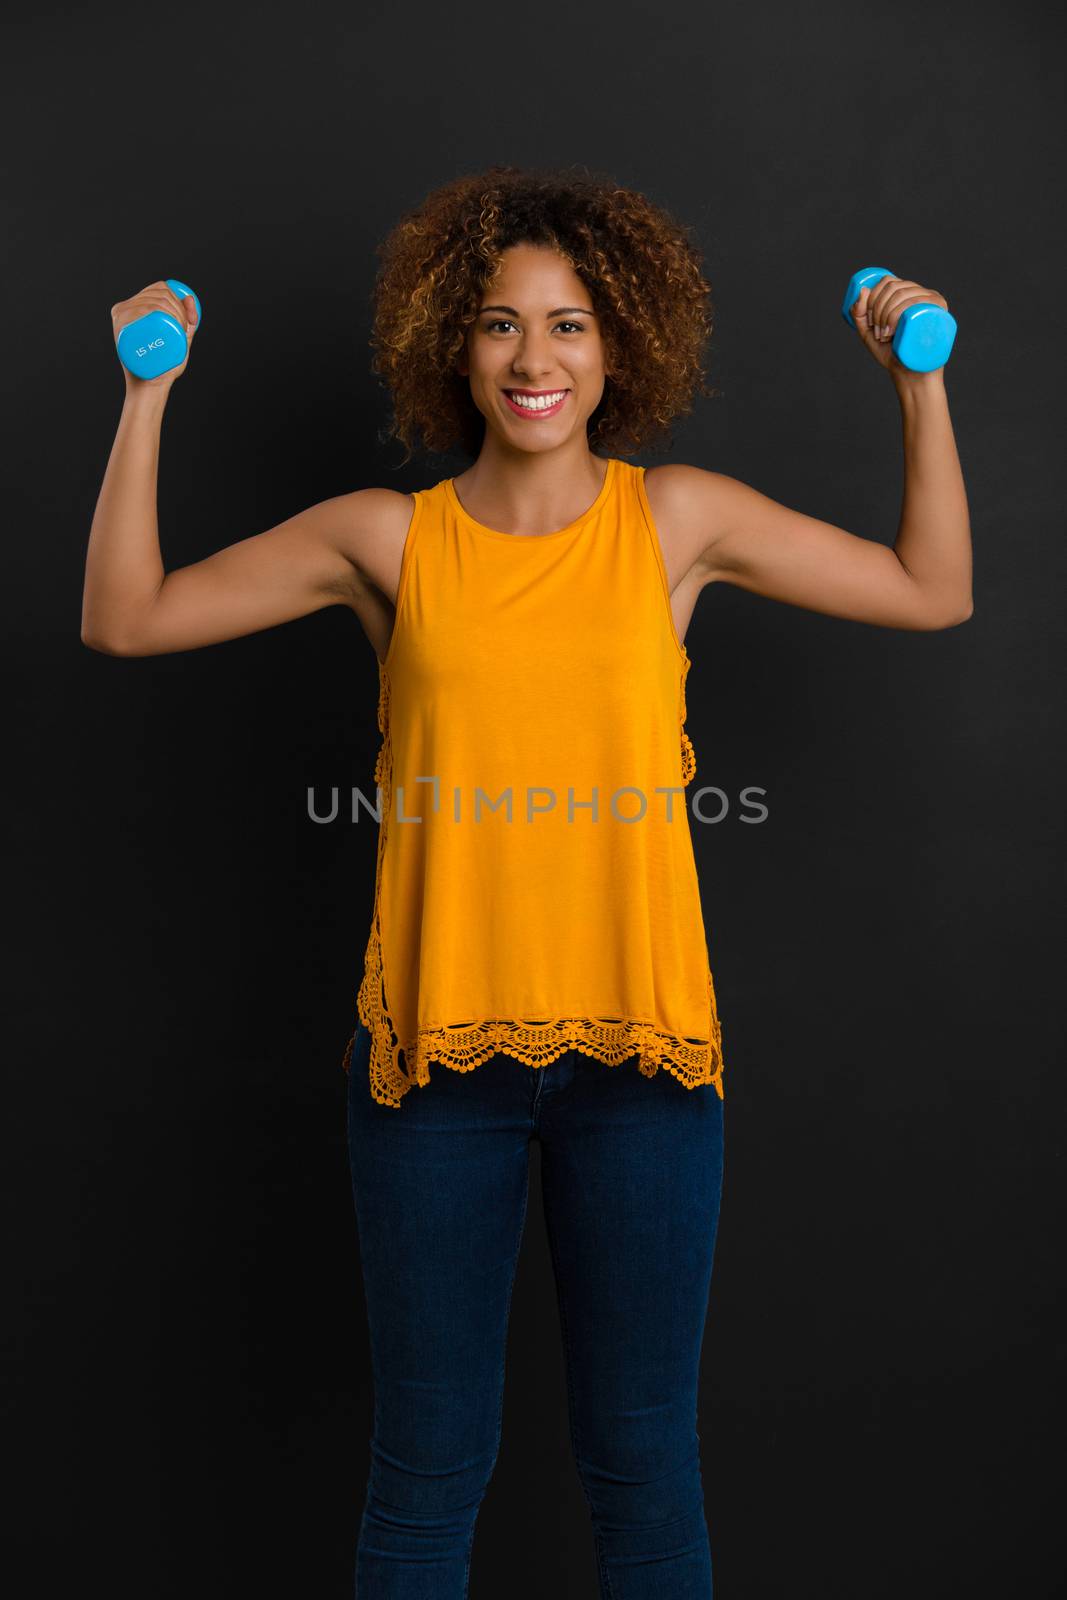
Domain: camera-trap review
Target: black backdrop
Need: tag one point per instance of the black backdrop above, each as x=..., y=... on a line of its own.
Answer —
x=190, y=1394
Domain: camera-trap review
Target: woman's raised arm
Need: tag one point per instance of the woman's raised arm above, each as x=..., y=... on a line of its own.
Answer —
x=333, y=553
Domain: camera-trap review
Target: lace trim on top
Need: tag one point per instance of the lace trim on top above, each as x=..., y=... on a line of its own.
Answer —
x=689, y=760
x=464, y=1046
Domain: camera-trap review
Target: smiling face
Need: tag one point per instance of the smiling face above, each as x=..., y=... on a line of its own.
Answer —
x=535, y=355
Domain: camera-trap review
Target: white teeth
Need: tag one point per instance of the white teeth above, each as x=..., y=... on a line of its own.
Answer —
x=540, y=402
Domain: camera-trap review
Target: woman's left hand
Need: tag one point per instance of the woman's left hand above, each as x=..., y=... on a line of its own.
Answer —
x=877, y=312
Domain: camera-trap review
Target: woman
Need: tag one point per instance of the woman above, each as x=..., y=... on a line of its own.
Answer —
x=537, y=933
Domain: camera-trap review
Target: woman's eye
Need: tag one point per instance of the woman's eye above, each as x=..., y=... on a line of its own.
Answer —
x=504, y=322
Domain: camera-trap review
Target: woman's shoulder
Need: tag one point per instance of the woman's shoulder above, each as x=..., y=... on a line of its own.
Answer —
x=686, y=504
x=677, y=487
x=377, y=521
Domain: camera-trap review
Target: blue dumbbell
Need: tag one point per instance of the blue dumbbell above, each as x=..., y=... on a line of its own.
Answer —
x=924, y=334
x=154, y=343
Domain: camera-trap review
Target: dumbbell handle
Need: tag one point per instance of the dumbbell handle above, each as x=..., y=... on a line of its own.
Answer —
x=156, y=342
x=924, y=334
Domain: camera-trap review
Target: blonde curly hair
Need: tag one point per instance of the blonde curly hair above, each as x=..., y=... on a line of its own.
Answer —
x=640, y=266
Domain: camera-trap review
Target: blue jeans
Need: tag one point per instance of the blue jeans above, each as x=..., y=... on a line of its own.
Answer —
x=631, y=1175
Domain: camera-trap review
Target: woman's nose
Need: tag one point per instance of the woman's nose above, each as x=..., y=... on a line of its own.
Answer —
x=533, y=357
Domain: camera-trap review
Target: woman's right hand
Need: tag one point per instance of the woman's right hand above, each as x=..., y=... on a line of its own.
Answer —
x=156, y=297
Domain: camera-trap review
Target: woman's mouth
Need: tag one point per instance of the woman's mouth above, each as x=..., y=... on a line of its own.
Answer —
x=544, y=404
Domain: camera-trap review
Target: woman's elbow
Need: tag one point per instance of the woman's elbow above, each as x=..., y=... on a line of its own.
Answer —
x=963, y=614
x=104, y=644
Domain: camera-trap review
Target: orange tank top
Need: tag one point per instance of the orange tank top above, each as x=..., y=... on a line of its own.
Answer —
x=536, y=889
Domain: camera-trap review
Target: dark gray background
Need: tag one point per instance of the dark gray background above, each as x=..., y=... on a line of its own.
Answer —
x=191, y=1384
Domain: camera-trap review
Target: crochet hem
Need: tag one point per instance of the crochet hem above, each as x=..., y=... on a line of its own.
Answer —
x=609, y=1040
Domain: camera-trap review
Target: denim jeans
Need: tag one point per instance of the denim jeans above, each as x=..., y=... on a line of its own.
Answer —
x=631, y=1175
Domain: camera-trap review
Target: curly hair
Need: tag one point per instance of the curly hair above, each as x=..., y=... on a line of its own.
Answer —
x=640, y=266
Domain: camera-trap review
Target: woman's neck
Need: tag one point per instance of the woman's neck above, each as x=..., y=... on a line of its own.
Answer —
x=531, y=492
